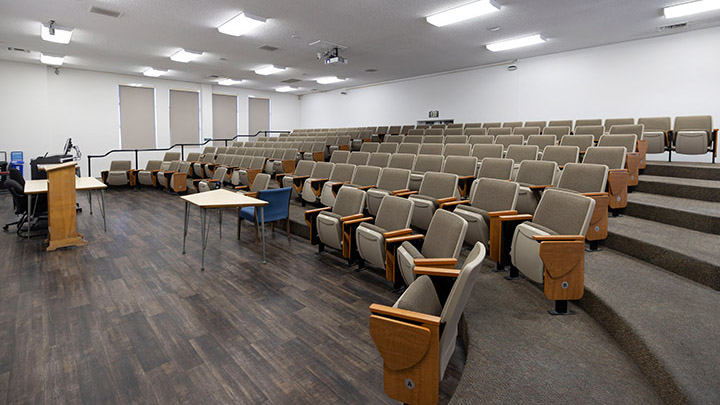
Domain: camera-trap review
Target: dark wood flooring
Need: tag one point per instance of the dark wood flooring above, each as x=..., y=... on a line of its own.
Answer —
x=129, y=319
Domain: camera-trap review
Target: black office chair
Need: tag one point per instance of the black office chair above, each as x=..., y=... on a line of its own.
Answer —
x=20, y=203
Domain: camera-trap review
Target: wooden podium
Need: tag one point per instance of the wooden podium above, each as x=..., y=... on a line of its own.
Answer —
x=62, y=230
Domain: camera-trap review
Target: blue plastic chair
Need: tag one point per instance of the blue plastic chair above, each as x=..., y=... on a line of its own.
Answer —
x=277, y=209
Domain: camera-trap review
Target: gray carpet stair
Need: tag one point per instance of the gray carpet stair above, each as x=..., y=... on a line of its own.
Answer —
x=703, y=171
x=668, y=324
x=698, y=215
x=697, y=189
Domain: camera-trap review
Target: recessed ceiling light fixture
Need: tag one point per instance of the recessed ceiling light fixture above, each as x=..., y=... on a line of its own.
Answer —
x=185, y=56
x=269, y=70
x=462, y=13
x=152, y=72
x=516, y=43
x=55, y=33
x=694, y=7
x=134, y=84
x=52, y=60
x=229, y=82
x=329, y=80
x=241, y=24
x=285, y=89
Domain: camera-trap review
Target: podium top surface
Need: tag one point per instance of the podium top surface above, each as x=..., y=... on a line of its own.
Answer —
x=52, y=167
x=81, y=184
x=222, y=199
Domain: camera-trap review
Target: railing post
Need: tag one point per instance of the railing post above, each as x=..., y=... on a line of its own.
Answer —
x=136, y=159
x=182, y=152
x=89, y=167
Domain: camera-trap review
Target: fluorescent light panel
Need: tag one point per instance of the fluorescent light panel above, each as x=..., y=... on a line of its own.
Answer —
x=695, y=7
x=229, y=82
x=185, y=56
x=286, y=89
x=62, y=34
x=515, y=43
x=269, y=70
x=329, y=80
x=241, y=24
x=52, y=60
x=152, y=72
x=462, y=13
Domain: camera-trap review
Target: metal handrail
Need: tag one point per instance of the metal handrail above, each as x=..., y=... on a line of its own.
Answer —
x=181, y=145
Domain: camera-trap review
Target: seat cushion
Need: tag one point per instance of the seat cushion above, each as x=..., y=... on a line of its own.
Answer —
x=421, y=297
x=474, y=210
x=373, y=227
x=426, y=198
x=410, y=248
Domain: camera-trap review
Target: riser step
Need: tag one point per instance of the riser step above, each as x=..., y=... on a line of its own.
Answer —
x=704, y=190
x=688, y=171
x=702, y=216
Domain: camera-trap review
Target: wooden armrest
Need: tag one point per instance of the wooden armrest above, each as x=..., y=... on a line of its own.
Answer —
x=501, y=213
x=541, y=238
x=406, y=193
x=617, y=171
x=295, y=178
x=211, y=181
x=254, y=194
x=446, y=200
x=313, y=181
x=594, y=194
x=453, y=203
x=399, y=239
x=540, y=187
x=405, y=190
x=366, y=187
x=241, y=187
x=358, y=220
x=399, y=232
x=351, y=217
x=520, y=217
x=404, y=314
x=465, y=177
x=317, y=210
x=155, y=171
x=433, y=271
x=436, y=262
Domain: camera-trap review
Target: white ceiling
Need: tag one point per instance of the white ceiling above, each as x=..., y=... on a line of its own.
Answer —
x=391, y=36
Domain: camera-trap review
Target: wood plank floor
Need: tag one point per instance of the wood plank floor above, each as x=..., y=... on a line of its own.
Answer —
x=129, y=319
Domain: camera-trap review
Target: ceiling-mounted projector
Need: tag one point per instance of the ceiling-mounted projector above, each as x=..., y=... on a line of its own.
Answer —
x=336, y=59
x=332, y=56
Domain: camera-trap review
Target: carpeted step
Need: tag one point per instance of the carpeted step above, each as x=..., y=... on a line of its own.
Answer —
x=668, y=324
x=519, y=354
x=706, y=190
x=691, y=254
x=702, y=171
x=702, y=216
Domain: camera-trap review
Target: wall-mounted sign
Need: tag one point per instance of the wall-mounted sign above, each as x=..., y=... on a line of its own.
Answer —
x=434, y=114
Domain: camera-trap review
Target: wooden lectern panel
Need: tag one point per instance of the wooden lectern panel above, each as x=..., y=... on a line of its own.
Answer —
x=62, y=231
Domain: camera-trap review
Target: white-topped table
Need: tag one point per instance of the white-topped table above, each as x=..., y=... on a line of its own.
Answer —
x=219, y=199
x=33, y=187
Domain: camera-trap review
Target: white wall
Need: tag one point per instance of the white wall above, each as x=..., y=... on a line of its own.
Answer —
x=665, y=76
x=39, y=110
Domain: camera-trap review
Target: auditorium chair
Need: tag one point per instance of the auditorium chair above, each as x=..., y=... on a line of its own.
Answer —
x=561, y=155
x=413, y=139
x=541, y=141
x=456, y=125
x=533, y=176
x=394, y=130
x=370, y=147
x=433, y=139
x=177, y=181
x=326, y=224
x=656, y=133
x=590, y=180
x=475, y=131
x=559, y=123
x=392, y=181
x=169, y=168
x=359, y=158
x=146, y=177
x=378, y=159
x=286, y=164
x=595, y=130
x=558, y=131
x=488, y=125
x=609, y=122
x=512, y=124
x=474, y=125
x=424, y=163
x=465, y=168
x=507, y=140
x=393, y=139
x=457, y=149
x=406, y=128
x=435, y=130
x=199, y=166
x=241, y=164
x=316, y=152
x=583, y=142
x=454, y=132
x=435, y=189
x=584, y=122
x=118, y=174
x=489, y=198
x=617, y=182
x=431, y=149
x=499, y=131
x=482, y=151
x=367, y=235
x=413, y=148
x=212, y=183
x=632, y=161
x=539, y=124
x=246, y=175
x=416, y=337
x=518, y=153
x=402, y=161
x=302, y=171
x=340, y=173
x=220, y=160
x=261, y=182
x=340, y=156
x=694, y=135
x=440, y=247
x=320, y=173
x=549, y=247
x=416, y=131
x=526, y=132
x=387, y=147
x=496, y=168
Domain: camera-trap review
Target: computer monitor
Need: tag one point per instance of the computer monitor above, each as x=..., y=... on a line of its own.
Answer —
x=68, y=146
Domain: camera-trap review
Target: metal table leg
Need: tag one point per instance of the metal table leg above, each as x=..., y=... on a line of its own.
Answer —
x=90, y=200
x=205, y=225
x=187, y=211
x=220, y=221
x=102, y=208
x=262, y=230
x=29, y=215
